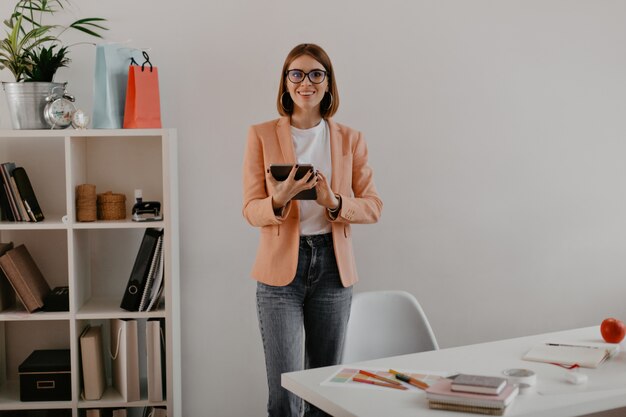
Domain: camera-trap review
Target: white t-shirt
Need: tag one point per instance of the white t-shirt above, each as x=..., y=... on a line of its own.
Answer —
x=312, y=146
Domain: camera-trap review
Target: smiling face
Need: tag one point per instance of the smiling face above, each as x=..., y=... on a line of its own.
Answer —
x=306, y=95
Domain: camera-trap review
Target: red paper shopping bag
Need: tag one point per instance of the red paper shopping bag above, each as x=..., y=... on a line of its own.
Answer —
x=143, y=105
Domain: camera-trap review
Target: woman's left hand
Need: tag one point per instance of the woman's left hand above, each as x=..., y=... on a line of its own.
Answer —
x=325, y=196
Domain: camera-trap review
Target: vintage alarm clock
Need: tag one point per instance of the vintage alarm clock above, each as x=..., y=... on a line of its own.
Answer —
x=59, y=109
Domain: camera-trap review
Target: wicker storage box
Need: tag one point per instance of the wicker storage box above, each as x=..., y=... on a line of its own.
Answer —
x=111, y=206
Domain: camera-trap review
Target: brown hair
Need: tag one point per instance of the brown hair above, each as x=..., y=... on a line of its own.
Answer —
x=328, y=105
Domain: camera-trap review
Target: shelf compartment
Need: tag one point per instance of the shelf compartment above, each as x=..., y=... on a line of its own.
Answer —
x=109, y=307
x=20, y=338
x=102, y=264
x=10, y=400
x=48, y=248
x=117, y=224
x=112, y=399
x=44, y=162
x=118, y=164
x=51, y=222
x=18, y=313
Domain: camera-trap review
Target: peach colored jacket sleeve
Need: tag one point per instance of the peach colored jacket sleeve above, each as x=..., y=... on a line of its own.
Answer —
x=352, y=178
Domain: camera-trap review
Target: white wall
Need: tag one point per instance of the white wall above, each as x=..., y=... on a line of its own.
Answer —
x=496, y=129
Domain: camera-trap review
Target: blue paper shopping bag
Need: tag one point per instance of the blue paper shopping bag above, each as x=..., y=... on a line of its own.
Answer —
x=109, y=90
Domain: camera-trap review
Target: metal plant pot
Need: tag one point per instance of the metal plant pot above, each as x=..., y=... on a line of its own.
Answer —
x=26, y=102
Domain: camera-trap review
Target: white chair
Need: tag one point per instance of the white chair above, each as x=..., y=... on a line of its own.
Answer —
x=386, y=323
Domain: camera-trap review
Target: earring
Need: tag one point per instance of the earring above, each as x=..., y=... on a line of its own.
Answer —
x=289, y=107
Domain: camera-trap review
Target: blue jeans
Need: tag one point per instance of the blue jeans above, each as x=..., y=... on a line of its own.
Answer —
x=304, y=323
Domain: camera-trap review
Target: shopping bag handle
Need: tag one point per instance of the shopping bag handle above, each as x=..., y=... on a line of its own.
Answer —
x=147, y=61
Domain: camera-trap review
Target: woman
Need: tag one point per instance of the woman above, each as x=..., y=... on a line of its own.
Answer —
x=305, y=264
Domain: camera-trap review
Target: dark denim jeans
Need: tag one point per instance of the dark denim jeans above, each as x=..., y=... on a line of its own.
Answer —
x=304, y=323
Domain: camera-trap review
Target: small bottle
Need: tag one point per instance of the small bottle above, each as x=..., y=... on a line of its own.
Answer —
x=138, y=196
x=138, y=204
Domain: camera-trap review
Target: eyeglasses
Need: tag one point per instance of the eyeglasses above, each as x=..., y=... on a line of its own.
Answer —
x=316, y=76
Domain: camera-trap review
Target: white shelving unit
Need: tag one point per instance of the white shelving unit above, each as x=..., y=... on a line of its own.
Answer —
x=93, y=258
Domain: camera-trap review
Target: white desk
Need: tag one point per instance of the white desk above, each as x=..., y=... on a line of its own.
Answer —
x=552, y=397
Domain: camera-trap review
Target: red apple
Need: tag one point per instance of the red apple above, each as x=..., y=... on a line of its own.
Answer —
x=613, y=330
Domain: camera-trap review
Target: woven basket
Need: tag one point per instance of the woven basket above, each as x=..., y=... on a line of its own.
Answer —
x=86, y=203
x=111, y=206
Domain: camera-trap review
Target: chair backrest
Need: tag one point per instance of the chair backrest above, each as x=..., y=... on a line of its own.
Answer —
x=386, y=323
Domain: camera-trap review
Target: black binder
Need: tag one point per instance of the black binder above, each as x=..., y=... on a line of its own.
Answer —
x=27, y=194
x=141, y=269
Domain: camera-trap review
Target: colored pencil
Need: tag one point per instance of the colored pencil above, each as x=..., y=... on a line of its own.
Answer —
x=382, y=378
x=379, y=383
x=409, y=379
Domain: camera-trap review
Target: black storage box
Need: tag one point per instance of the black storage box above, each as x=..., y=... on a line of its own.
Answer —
x=46, y=376
x=57, y=300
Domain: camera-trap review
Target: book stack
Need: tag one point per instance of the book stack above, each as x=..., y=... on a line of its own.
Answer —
x=17, y=197
x=472, y=394
x=145, y=285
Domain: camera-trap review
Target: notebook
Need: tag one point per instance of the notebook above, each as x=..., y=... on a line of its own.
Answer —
x=441, y=392
x=585, y=355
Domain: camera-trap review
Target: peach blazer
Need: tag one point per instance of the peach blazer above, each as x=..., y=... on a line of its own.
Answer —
x=352, y=178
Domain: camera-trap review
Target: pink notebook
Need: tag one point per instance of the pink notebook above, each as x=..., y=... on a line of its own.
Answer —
x=442, y=391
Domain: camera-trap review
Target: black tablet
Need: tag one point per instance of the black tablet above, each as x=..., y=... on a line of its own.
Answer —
x=281, y=172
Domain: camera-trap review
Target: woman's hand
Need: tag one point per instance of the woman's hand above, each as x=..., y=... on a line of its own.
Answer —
x=283, y=191
x=325, y=196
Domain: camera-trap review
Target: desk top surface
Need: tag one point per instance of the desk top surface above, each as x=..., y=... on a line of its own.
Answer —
x=553, y=396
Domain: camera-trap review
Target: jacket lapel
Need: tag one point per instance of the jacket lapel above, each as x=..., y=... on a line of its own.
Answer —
x=335, y=155
x=283, y=132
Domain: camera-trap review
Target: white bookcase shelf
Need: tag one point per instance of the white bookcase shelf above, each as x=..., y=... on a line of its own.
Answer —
x=94, y=259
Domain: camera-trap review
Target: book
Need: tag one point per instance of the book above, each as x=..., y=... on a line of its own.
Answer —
x=7, y=293
x=92, y=361
x=27, y=194
x=5, y=206
x=141, y=269
x=25, y=277
x=155, y=356
x=119, y=412
x=9, y=167
x=125, y=355
x=436, y=405
x=478, y=383
x=6, y=185
x=94, y=412
x=441, y=392
x=588, y=355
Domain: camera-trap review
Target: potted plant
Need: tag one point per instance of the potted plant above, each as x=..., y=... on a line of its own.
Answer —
x=32, y=51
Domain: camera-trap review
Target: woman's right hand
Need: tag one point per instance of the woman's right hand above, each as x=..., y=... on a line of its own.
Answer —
x=283, y=191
